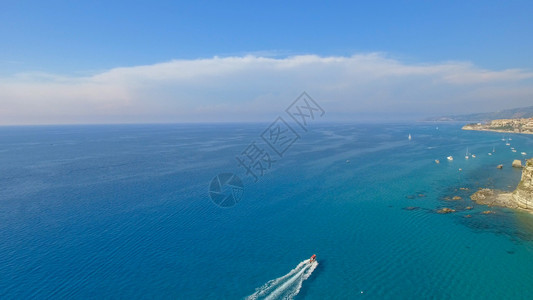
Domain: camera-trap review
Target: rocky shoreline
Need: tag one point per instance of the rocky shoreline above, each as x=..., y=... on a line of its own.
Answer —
x=520, y=198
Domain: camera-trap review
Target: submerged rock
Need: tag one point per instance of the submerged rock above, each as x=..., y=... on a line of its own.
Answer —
x=482, y=194
x=411, y=208
x=456, y=198
x=445, y=210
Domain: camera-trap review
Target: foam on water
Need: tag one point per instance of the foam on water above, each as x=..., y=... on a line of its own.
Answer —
x=286, y=286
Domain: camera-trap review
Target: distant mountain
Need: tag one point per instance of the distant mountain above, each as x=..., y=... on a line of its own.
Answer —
x=515, y=113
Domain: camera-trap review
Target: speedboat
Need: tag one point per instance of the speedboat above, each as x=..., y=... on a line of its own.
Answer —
x=523, y=153
x=313, y=258
x=450, y=157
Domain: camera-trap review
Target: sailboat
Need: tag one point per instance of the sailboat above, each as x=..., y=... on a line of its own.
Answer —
x=466, y=155
x=409, y=136
x=493, y=150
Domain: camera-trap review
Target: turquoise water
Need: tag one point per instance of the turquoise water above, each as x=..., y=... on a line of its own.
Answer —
x=123, y=212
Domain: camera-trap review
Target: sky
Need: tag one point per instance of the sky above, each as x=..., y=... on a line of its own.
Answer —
x=67, y=62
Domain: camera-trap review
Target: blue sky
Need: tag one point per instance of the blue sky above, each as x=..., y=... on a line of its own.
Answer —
x=52, y=47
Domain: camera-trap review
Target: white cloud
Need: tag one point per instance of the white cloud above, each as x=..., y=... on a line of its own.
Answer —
x=256, y=88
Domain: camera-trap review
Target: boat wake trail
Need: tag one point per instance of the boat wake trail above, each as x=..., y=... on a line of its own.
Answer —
x=287, y=286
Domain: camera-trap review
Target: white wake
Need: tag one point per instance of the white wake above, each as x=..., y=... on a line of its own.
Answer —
x=287, y=286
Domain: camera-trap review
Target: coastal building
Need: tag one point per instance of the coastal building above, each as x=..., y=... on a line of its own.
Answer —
x=524, y=125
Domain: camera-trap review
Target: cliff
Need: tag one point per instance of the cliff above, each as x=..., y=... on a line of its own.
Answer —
x=521, y=197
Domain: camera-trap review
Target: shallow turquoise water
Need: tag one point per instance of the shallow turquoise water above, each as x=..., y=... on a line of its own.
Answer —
x=123, y=212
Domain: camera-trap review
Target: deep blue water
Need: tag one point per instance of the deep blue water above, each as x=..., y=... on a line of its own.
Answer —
x=123, y=211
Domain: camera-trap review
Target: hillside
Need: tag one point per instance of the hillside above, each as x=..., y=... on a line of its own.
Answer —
x=515, y=113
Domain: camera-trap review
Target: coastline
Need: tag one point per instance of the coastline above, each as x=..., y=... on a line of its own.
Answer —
x=493, y=130
x=520, y=198
x=523, y=125
x=497, y=198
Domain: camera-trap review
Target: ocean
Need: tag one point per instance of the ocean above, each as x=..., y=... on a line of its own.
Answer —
x=131, y=211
